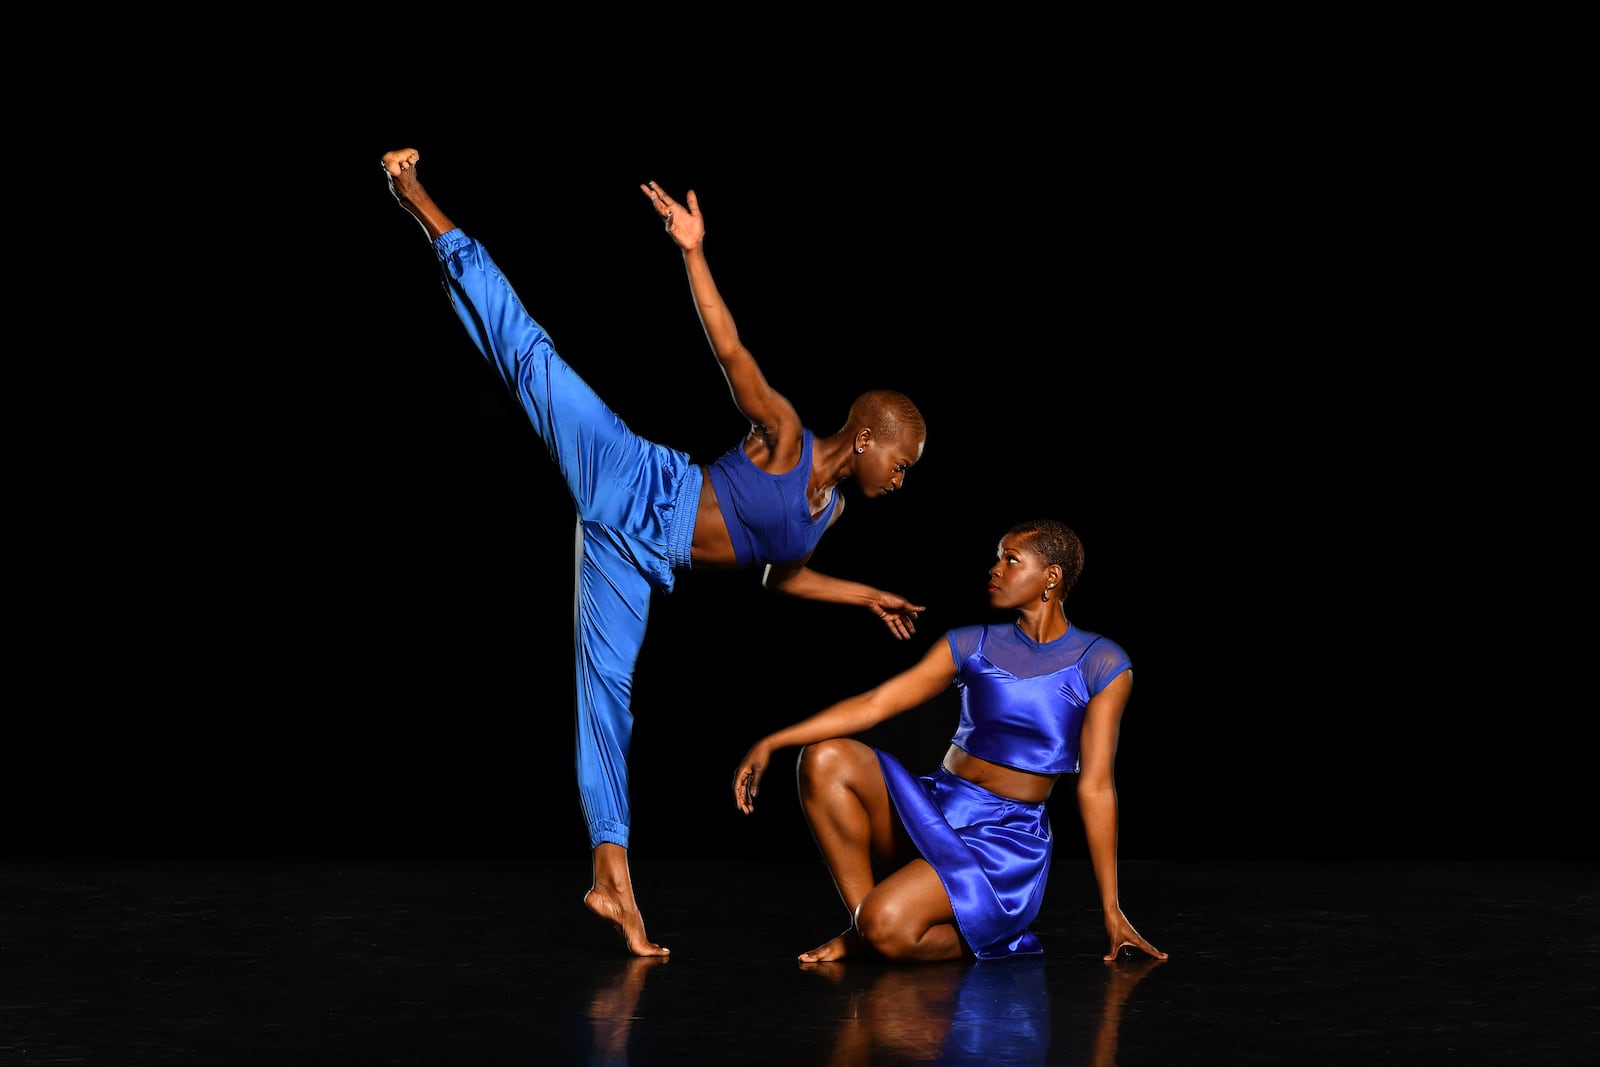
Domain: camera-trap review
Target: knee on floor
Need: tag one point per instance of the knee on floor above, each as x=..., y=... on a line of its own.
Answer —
x=885, y=929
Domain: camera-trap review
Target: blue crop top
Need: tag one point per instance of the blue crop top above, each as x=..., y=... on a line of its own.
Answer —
x=1022, y=703
x=768, y=515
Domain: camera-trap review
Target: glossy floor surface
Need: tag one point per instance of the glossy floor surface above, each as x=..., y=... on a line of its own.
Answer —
x=325, y=961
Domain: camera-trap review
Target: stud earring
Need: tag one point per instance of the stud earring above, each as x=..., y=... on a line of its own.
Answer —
x=859, y=450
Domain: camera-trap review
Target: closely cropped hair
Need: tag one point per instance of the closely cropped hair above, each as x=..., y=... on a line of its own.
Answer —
x=890, y=414
x=1054, y=542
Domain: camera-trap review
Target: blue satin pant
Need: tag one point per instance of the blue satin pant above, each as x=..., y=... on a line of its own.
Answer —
x=636, y=503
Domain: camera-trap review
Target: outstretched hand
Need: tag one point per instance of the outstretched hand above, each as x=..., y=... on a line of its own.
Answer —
x=684, y=224
x=747, y=779
x=1123, y=935
x=897, y=613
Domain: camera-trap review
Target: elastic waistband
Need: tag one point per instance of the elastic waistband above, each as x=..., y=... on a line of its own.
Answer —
x=681, y=516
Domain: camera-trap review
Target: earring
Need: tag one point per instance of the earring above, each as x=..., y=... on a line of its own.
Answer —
x=1046, y=597
x=859, y=451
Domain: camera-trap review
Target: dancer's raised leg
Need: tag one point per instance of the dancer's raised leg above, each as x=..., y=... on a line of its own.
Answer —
x=401, y=167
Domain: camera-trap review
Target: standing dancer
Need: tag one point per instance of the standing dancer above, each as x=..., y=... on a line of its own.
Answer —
x=646, y=511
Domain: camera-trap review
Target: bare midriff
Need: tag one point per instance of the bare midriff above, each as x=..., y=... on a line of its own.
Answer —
x=1007, y=782
x=712, y=548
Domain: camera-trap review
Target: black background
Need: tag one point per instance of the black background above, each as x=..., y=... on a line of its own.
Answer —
x=330, y=572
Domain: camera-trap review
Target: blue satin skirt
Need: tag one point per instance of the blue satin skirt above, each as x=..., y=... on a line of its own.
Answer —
x=991, y=853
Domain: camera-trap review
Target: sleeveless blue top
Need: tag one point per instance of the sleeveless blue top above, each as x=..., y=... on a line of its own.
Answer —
x=768, y=515
x=1022, y=702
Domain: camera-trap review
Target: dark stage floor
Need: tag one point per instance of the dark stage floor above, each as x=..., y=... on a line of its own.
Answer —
x=313, y=961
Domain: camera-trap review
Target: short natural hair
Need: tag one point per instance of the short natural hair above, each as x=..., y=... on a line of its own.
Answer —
x=890, y=414
x=1056, y=543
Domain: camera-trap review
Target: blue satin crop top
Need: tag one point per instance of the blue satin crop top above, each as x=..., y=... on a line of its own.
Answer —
x=768, y=515
x=1022, y=702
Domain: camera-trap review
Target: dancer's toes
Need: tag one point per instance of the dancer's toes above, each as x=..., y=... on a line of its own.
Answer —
x=400, y=159
x=846, y=944
x=401, y=168
x=627, y=922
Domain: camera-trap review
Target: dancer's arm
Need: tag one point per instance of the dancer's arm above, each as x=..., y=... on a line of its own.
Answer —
x=774, y=424
x=1097, y=804
x=909, y=689
x=799, y=580
x=772, y=416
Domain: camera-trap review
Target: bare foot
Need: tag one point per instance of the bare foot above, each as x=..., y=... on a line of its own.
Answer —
x=401, y=168
x=625, y=920
x=848, y=943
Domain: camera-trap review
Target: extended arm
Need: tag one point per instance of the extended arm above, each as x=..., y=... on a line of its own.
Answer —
x=768, y=410
x=799, y=580
x=1097, y=803
x=910, y=688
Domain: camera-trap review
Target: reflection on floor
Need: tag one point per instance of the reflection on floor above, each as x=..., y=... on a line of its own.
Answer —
x=367, y=962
